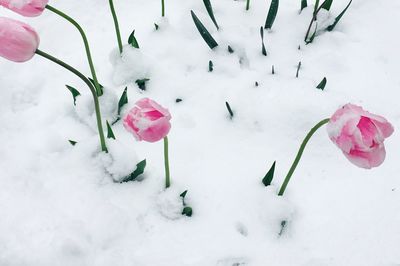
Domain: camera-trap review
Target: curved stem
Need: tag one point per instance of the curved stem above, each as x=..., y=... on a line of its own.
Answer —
x=299, y=154
x=115, y=18
x=92, y=89
x=166, y=163
x=85, y=42
x=162, y=8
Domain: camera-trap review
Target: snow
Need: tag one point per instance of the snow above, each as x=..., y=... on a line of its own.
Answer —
x=60, y=204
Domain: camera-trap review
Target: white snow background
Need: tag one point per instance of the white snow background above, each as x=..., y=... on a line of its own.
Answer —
x=60, y=206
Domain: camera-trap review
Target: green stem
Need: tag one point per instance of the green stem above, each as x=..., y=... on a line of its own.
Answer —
x=92, y=89
x=115, y=18
x=314, y=17
x=162, y=8
x=248, y=5
x=166, y=163
x=299, y=154
x=86, y=43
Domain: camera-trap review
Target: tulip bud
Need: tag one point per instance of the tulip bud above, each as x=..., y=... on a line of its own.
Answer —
x=27, y=8
x=18, y=41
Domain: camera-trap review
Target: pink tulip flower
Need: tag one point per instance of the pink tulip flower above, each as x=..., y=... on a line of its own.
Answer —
x=360, y=135
x=148, y=121
x=18, y=41
x=27, y=8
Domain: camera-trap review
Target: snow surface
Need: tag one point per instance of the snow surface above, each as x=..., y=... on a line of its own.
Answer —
x=60, y=206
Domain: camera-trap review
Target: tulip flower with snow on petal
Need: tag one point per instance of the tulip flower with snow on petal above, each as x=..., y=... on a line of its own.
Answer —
x=150, y=122
x=27, y=8
x=358, y=133
x=18, y=41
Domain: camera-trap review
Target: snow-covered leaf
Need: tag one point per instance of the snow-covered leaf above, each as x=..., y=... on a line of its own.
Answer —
x=337, y=19
x=138, y=171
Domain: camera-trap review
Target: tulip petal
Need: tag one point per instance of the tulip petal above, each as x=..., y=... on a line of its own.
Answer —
x=367, y=160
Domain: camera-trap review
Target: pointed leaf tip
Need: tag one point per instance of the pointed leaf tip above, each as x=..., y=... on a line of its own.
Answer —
x=133, y=41
x=75, y=93
x=205, y=34
x=322, y=84
x=267, y=180
x=138, y=171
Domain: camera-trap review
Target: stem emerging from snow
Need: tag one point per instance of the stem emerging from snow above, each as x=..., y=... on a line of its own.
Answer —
x=166, y=163
x=114, y=15
x=86, y=43
x=162, y=8
x=248, y=5
x=92, y=89
x=299, y=154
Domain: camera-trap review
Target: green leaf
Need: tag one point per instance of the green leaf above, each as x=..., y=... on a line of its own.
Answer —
x=188, y=211
x=142, y=83
x=303, y=4
x=210, y=12
x=267, y=180
x=298, y=69
x=229, y=110
x=315, y=9
x=100, y=92
x=138, y=171
x=183, y=194
x=210, y=66
x=204, y=32
x=110, y=133
x=263, y=50
x=75, y=92
x=72, y=142
x=311, y=39
x=322, y=84
x=337, y=19
x=132, y=40
x=123, y=100
x=283, y=226
x=273, y=10
x=327, y=4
